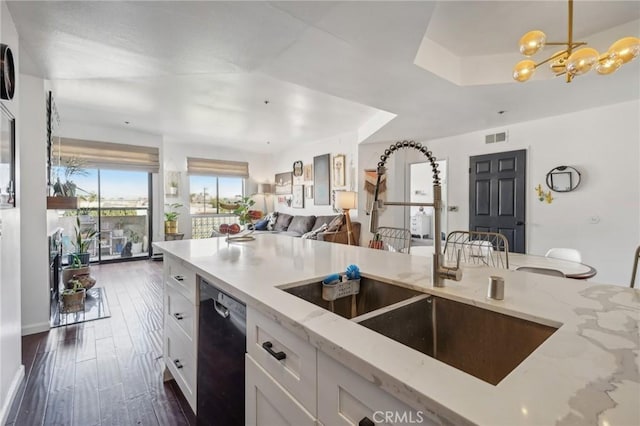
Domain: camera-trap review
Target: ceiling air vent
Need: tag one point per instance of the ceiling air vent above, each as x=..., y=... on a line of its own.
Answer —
x=496, y=137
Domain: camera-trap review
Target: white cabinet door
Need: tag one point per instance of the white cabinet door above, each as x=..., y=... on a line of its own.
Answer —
x=269, y=404
x=346, y=399
x=296, y=372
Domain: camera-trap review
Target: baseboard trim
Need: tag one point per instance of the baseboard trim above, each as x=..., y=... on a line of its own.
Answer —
x=11, y=395
x=35, y=328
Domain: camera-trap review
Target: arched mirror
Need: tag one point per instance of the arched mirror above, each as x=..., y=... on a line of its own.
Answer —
x=563, y=179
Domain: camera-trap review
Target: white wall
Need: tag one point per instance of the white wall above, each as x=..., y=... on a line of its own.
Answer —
x=603, y=143
x=11, y=369
x=33, y=220
x=341, y=144
x=174, y=155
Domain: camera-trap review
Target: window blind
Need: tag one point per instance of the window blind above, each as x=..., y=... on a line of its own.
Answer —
x=107, y=155
x=222, y=168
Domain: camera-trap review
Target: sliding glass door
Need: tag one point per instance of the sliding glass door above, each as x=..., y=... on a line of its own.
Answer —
x=117, y=204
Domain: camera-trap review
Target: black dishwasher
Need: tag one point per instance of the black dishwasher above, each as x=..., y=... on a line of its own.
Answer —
x=222, y=336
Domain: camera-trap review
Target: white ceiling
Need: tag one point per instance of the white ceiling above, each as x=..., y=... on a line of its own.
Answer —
x=200, y=71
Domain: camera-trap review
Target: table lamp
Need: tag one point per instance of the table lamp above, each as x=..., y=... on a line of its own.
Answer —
x=265, y=189
x=347, y=200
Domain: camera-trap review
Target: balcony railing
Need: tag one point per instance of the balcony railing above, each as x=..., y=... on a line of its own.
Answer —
x=203, y=225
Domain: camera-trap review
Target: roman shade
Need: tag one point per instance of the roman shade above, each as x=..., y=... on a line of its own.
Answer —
x=107, y=155
x=221, y=168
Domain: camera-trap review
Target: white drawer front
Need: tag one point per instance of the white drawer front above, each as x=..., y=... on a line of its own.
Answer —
x=345, y=398
x=296, y=372
x=181, y=312
x=181, y=277
x=269, y=404
x=179, y=357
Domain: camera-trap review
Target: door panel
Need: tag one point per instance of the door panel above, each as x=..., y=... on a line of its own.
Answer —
x=497, y=185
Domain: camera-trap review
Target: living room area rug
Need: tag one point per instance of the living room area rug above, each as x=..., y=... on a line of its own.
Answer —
x=95, y=307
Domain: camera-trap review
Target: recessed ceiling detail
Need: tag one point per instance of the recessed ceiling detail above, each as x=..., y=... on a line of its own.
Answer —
x=201, y=71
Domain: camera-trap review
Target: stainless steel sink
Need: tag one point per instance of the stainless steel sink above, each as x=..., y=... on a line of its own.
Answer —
x=373, y=295
x=483, y=343
x=480, y=342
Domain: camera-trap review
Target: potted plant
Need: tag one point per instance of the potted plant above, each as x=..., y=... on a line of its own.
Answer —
x=83, y=214
x=173, y=187
x=136, y=242
x=73, y=297
x=119, y=231
x=243, y=210
x=82, y=241
x=74, y=269
x=72, y=166
x=171, y=219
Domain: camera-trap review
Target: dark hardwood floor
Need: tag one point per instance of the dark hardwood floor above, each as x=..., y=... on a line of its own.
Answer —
x=108, y=371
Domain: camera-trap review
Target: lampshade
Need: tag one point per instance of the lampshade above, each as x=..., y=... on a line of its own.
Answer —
x=531, y=42
x=524, y=70
x=582, y=60
x=627, y=48
x=265, y=188
x=346, y=200
x=608, y=65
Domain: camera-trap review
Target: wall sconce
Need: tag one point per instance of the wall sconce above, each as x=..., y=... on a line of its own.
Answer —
x=542, y=196
x=347, y=200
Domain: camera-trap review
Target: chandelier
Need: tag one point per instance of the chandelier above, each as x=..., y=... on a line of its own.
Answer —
x=574, y=60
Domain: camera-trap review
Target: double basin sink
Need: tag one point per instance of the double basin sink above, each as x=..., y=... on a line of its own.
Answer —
x=480, y=342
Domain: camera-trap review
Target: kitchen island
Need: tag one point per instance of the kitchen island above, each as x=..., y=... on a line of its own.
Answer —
x=586, y=372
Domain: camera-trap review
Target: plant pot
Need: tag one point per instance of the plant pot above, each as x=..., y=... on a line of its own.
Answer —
x=69, y=273
x=84, y=258
x=171, y=227
x=86, y=280
x=136, y=248
x=73, y=302
x=173, y=190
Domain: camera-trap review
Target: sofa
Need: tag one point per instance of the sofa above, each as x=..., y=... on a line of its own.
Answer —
x=298, y=225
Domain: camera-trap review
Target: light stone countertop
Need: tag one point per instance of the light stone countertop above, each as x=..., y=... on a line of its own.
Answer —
x=587, y=372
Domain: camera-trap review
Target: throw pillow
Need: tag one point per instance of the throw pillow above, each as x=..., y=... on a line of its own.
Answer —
x=261, y=225
x=335, y=224
x=313, y=235
x=272, y=220
x=282, y=222
x=301, y=224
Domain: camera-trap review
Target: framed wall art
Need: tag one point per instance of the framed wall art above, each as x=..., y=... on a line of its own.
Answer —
x=308, y=172
x=308, y=191
x=321, y=180
x=284, y=182
x=339, y=170
x=298, y=197
x=7, y=158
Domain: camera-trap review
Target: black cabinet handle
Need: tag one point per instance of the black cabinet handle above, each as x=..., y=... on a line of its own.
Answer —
x=178, y=316
x=178, y=364
x=277, y=355
x=366, y=422
x=519, y=223
x=179, y=278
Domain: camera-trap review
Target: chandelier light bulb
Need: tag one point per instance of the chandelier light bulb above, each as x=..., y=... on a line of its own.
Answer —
x=627, y=48
x=609, y=65
x=532, y=41
x=582, y=61
x=558, y=64
x=524, y=70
